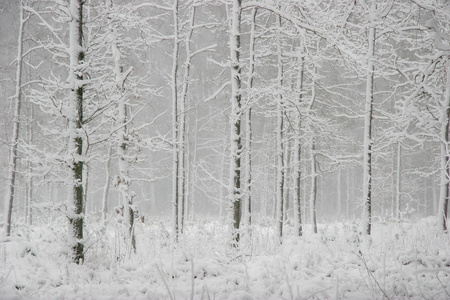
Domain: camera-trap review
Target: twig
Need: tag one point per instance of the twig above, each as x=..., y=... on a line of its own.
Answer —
x=192, y=278
x=445, y=290
x=371, y=275
x=165, y=283
x=318, y=292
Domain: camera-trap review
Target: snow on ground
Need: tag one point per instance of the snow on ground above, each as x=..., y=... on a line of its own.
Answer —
x=399, y=261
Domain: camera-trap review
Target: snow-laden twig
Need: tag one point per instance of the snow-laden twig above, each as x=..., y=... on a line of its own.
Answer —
x=165, y=283
x=371, y=275
x=192, y=279
x=443, y=286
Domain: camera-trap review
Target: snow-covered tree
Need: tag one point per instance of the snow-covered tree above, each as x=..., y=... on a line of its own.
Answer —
x=235, y=191
x=75, y=132
x=10, y=194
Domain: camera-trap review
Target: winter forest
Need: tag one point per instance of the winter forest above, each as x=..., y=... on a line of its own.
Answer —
x=225, y=149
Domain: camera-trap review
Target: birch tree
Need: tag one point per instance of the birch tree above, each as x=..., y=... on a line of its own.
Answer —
x=10, y=193
x=175, y=128
x=123, y=180
x=183, y=151
x=248, y=117
x=297, y=149
x=280, y=142
x=366, y=224
x=75, y=120
x=235, y=118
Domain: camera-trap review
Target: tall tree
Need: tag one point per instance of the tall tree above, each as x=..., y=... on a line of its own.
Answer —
x=280, y=143
x=75, y=120
x=313, y=192
x=183, y=146
x=123, y=181
x=366, y=224
x=175, y=124
x=235, y=118
x=248, y=117
x=10, y=193
x=297, y=149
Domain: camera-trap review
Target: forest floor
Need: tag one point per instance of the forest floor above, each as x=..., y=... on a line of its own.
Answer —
x=403, y=260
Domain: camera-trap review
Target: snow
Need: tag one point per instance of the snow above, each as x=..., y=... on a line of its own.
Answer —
x=399, y=261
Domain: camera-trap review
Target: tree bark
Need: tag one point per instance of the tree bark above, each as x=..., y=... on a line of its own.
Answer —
x=235, y=118
x=347, y=202
x=122, y=150
x=248, y=137
x=339, y=194
x=182, y=127
x=29, y=185
x=75, y=120
x=398, y=186
x=313, y=195
x=106, y=187
x=280, y=151
x=287, y=178
x=297, y=151
x=10, y=192
x=366, y=224
x=175, y=149
x=445, y=168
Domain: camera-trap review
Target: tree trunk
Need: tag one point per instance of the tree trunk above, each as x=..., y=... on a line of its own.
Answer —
x=194, y=169
x=29, y=186
x=339, y=196
x=122, y=150
x=175, y=150
x=297, y=151
x=235, y=118
x=248, y=138
x=366, y=224
x=85, y=186
x=182, y=127
x=75, y=141
x=124, y=180
x=248, y=170
x=280, y=151
x=106, y=187
x=398, y=174
x=313, y=195
x=10, y=192
x=445, y=168
x=287, y=178
x=347, y=203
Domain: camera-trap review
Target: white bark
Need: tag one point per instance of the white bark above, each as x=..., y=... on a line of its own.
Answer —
x=297, y=149
x=175, y=150
x=366, y=224
x=287, y=178
x=339, y=194
x=106, y=187
x=29, y=186
x=75, y=141
x=222, y=179
x=10, y=192
x=235, y=118
x=445, y=168
x=280, y=151
x=248, y=119
x=313, y=192
x=122, y=149
x=398, y=181
x=194, y=169
x=347, y=203
x=182, y=125
x=124, y=178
